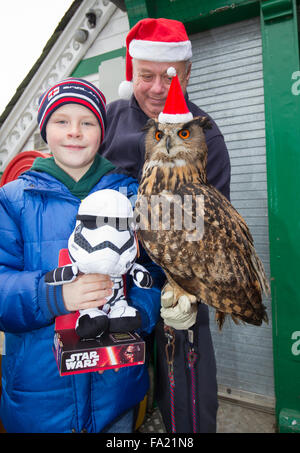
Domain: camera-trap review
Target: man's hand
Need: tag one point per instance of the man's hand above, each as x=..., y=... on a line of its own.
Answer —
x=87, y=291
x=182, y=316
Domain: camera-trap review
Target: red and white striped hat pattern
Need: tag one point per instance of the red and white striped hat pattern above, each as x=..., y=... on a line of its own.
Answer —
x=72, y=91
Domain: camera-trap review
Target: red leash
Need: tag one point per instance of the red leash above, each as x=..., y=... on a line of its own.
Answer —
x=192, y=357
x=170, y=349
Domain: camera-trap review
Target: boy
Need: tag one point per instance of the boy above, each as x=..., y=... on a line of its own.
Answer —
x=37, y=214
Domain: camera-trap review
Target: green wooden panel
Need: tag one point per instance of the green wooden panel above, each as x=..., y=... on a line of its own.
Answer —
x=91, y=65
x=197, y=15
x=282, y=110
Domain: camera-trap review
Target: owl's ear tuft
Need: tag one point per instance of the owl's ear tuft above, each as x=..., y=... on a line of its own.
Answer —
x=151, y=122
x=204, y=122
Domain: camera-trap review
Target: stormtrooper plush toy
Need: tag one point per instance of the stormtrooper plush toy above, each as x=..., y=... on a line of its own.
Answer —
x=104, y=242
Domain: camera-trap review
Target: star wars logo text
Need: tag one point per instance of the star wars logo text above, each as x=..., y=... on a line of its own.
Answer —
x=82, y=360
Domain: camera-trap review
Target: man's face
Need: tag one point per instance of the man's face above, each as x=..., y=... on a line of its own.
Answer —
x=151, y=83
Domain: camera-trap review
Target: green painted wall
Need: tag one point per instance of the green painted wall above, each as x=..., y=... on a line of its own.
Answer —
x=197, y=15
x=282, y=104
x=91, y=65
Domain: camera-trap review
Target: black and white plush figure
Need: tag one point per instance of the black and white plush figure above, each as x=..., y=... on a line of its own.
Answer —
x=104, y=242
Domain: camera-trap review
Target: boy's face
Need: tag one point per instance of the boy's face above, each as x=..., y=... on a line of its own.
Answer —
x=74, y=136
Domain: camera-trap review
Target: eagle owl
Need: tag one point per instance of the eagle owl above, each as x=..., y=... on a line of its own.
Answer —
x=192, y=231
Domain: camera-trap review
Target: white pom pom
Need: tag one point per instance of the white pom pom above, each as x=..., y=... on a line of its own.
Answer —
x=171, y=71
x=125, y=89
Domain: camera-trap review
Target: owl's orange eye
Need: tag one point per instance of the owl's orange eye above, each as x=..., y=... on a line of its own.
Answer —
x=158, y=135
x=184, y=134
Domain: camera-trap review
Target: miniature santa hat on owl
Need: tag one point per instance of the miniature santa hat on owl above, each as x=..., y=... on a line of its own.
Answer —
x=154, y=40
x=175, y=109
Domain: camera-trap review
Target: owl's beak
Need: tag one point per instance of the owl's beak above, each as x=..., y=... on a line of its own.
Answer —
x=168, y=143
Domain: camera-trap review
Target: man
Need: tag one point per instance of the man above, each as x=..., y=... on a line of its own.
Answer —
x=186, y=370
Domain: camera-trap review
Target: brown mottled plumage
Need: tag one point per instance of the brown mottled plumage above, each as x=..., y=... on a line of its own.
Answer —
x=196, y=235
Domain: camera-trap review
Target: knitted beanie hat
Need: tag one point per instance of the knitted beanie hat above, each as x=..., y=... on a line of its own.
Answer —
x=72, y=91
x=154, y=40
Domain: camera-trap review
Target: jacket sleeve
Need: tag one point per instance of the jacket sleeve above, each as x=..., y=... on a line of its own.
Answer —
x=23, y=293
x=147, y=301
x=218, y=164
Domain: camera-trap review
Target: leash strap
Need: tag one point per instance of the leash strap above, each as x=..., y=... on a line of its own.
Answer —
x=170, y=350
x=192, y=357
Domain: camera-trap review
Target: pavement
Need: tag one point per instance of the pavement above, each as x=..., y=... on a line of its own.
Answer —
x=231, y=418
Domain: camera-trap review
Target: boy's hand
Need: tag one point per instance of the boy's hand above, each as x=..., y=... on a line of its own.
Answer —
x=87, y=291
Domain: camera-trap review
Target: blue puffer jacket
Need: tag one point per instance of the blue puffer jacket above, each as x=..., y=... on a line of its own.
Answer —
x=37, y=215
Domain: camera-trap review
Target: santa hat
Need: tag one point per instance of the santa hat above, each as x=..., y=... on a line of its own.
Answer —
x=154, y=40
x=175, y=109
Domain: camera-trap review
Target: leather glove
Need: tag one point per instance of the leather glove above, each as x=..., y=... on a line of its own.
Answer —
x=182, y=316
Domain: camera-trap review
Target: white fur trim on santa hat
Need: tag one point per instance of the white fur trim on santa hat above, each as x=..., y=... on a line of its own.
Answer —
x=125, y=89
x=160, y=51
x=177, y=118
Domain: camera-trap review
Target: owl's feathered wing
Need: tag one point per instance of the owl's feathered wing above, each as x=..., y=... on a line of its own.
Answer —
x=216, y=262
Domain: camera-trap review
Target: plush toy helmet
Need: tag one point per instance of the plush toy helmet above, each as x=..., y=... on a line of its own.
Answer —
x=103, y=240
x=106, y=203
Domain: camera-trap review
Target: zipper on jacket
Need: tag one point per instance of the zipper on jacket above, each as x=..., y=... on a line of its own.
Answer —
x=52, y=192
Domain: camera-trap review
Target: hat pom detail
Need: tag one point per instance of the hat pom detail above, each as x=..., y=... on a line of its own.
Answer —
x=171, y=71
x=125, y=89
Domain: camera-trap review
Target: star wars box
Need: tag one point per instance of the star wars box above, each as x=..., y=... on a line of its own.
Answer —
x=112, y=350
